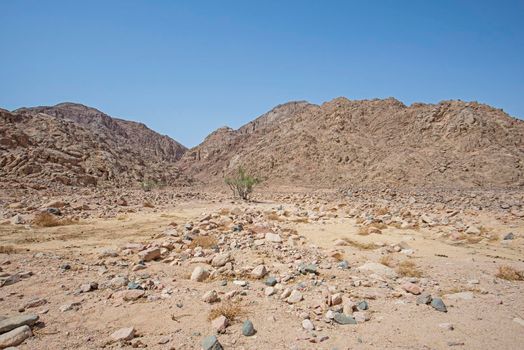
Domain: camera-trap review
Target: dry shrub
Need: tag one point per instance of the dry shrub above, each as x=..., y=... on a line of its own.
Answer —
x=231, y=311
x=147, y=204
x=45, y=219
x=205, y=242
x=7, y=249
x=408, y=268
x=273, y=216
x=359, y=245
x=363, y=231
x=337, y=256
x=301, y=220
x=387, y=260
x=509, y=273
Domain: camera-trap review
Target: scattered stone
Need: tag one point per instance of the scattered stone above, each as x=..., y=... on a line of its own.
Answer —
x=210, y=297
x=446, y=326
x=341, y=318
x=361, y=316
x=379, y=269
x=35, y=303
x=248, y=329
x=127, y=333
x=411, y=288
x=17, y=321
x=461, y=295
x=270, y=281
x=211, y=343
x=509, y=236
x=220, y=259
x=438, y=305
x=424, y=299
x=259, y=272
x=363, y=305
x=88, y=287
x=344, y=265
x=308, y=268
x=15, y=337
x=269, y=291
x=273, y=237
x=150, y=254
x=308, y=325
x=199, y=274
x=69, y=307
x=294, y=297
x=519, y=321
x=220, y=324
x=130, y=294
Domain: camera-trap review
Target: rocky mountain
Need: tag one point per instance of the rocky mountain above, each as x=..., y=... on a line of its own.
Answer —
x=77, y=145
x=369, y=143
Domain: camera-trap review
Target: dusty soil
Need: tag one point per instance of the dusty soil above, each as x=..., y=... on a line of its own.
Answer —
x=484, y=315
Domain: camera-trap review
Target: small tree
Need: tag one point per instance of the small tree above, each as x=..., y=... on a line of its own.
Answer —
x=242, y=184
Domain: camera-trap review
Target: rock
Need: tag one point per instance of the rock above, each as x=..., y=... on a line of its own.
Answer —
x=472, y=230
x=340, y=243
x=17, y=321
x=336, y=299
x=270, y=281
x=130, y=294
x=17, y=220
x=15, y=337
x=220, y=324
x=308, y=325
x=307, y=268
x=509, y=236
x=446, y=326
x=424, y=299
x=211, y=343
x=341, y=318
x=35, y=303
x=363, y=305
x=210, y=297
x=411, y=288
x=240, y=283
x=361, y=316
x=379, y=269
x=118, y=282
x=220, y=259
x=199, y=274
x=438, y=305
x=344, y=265
x=294, y=297
x=248, y=329
x=259, y=271
x=269, y=291
x=127, y=333
x=150, y=254
x=70, y=306
x=88, y=287
x=273, y=237
x=519, y=321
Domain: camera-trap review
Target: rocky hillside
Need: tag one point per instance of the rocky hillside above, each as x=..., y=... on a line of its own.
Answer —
x=77, y=145
x=369, y=143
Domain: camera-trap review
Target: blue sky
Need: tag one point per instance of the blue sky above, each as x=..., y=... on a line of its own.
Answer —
x=186, y=68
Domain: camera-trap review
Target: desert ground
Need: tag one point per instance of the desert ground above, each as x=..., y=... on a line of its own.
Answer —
x=308, y=270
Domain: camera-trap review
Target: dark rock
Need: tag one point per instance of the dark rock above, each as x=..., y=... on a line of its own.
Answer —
x=424, y=299
x=248, y=329
x=439, y=305
x=363, y=305
x=509, y=236
x=270, y=281
x=341, y=318
x=211, y=343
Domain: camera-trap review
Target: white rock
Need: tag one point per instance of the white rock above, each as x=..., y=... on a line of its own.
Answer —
x=15, y=337
x=295, y=297
x=127, y=333
x=308, y=325
x=273, y=237
x=379, y=269
x=210, y=297
x=199, y=274
x=220, y=259
x=259, y=271
x=220, y=324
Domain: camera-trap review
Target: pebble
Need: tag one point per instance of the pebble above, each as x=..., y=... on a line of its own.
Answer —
x=15, y=337
x=220, y=324
x=248, y=329
x=210, y=297
x=341, y=318
x=17, y=321
x=308, y=325
x=259, y=271
x=199, y=274
x=363, y=305
x=211, y=343
x=150, y=254
x=220, y=259
x=269, y=291
x=127, y=333
x=273, y=237
x=270, y=281
x=424, y=299
x=446, y=326
x=411, y=288
x=439, y=305
x=379, y=269
x=294, y=297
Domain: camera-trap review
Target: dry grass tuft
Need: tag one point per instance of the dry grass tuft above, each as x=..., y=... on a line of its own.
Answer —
x=301, y=220
x=49, y=220
x=408, y=268
x=509, y=273
x=7, y=249
x=205, y=242
x=382, y=211
x=359, y=245
x=147, y=204
x=337, y=256
x=363, y=231
x=273, y=216
x=230, y=310
x=387, y=260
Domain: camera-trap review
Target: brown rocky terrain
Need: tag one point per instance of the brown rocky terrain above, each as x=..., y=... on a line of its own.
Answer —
x=370, y=143
x=72, y=144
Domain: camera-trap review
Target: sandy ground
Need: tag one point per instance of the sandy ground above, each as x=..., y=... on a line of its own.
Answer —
x=486, y=321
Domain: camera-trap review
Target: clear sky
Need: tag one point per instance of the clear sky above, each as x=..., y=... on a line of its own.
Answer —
x=186, y=68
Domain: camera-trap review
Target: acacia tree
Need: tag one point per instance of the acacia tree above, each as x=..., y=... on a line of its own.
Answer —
x=242, y=183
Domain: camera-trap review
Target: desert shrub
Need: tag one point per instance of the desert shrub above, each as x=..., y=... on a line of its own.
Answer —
x=408, y=268
x=387, y=260
x=509, y=273
x=230, y=310
x=242, y=184
x=45, y=219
